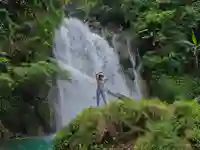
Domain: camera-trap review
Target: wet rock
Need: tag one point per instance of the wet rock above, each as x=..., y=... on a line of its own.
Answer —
x=4, y=133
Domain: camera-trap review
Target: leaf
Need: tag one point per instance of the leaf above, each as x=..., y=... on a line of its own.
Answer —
x=194, y=39
x=185, y=43
x=3, y=60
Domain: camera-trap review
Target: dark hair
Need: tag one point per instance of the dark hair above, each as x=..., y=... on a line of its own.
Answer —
x=100, y=76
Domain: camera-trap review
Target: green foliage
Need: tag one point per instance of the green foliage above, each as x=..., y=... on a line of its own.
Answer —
x=194, y=40
x=26, y=41
x=172, y=88
x=147, y=125
x=166, y=33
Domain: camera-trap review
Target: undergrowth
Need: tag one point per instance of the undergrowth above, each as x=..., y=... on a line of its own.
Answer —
x=127, y=124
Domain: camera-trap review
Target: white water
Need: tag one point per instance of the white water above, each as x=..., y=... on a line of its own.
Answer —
x=138, y=80
x=127, y=51
x=84, y=53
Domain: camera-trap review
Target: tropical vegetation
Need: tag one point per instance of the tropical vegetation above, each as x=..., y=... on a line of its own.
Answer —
x=27, y=68
x=167, y=36
x=127, y=124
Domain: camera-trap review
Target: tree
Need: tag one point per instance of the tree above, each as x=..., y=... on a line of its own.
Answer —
x=157, y=26
x=26, y=67
x=194, y=46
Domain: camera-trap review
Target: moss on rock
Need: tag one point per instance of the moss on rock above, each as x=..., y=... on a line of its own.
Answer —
x=144, y=125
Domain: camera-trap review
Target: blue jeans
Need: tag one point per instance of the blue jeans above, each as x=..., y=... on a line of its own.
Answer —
x=100, y=92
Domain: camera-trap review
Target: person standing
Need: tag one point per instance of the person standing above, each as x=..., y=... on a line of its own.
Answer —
x=100, y=91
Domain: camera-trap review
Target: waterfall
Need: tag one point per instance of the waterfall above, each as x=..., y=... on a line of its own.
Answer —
x=84, y=53
x=122, y=43
x=136, y=71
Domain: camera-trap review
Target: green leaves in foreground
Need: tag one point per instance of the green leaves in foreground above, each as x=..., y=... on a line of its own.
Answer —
x=194, y=39
x=145, y=125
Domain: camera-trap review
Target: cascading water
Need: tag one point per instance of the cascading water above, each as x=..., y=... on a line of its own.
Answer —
x=123, y=44
x=83, y=54
x=138, y=80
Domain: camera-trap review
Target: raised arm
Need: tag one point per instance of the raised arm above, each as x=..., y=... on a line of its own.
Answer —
x=106, y=79
x=97, y=76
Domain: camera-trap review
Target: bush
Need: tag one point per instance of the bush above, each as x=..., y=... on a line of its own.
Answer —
x=145, y=125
